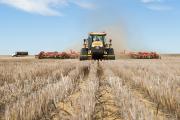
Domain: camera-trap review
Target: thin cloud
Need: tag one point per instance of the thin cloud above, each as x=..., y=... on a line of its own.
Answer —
x=151, y=1
x=159, y=7
x=156, y=5
x=84, y=4
x=44, y=7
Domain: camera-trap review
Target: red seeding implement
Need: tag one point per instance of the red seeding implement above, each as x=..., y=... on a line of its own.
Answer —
x=58, y=55
x=144, y=55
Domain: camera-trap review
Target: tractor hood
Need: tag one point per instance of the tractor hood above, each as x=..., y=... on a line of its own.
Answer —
x=97, y=44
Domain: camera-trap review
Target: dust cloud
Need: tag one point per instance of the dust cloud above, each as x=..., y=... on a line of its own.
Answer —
x=103, y=21
x=115, y=31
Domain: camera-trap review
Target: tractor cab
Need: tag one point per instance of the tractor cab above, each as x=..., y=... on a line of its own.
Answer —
x=96, y=39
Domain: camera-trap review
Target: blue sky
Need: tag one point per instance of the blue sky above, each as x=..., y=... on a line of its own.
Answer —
x=56, y=25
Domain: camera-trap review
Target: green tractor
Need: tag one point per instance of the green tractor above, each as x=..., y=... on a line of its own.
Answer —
x=96, y=48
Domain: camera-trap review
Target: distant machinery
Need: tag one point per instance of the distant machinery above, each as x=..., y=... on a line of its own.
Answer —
x=20, y=54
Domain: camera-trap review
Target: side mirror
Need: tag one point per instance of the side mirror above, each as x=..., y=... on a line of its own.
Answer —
x=84, y=41
x=85, y=44
x=110, y=40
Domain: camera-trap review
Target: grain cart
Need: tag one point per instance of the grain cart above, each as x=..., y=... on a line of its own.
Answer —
x=96, y=48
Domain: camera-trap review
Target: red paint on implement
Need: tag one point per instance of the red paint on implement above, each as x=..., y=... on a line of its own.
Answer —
x=144, y=55
x=58, y=55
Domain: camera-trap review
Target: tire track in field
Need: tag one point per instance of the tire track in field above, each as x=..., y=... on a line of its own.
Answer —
x=65, y=109
x=140, y=95
x=105, y=108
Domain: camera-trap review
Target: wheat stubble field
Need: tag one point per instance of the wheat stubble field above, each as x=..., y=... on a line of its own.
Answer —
x=123, y=89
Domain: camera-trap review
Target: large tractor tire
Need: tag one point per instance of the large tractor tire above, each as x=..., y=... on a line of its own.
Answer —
x=110, y=54
x=84, y=54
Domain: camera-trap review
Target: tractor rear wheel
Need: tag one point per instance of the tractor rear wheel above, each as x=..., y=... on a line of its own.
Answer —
x=110, y=54
x=84, y=54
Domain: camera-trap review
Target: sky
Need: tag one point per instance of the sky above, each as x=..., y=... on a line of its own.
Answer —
x=58, y=25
